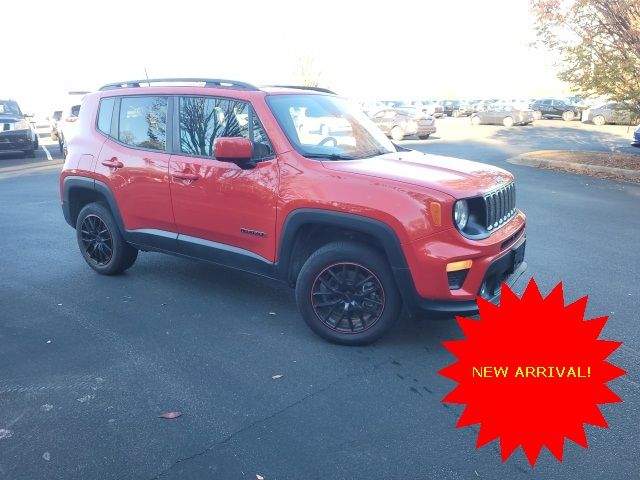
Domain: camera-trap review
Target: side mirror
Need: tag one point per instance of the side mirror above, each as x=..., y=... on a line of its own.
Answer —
x=29, y=115
x=236, y=150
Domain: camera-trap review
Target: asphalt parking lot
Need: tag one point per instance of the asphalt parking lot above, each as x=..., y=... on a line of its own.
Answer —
x=87, y=363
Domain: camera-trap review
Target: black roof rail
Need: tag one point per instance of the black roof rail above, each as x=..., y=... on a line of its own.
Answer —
x=208, y=82
x=304, y=87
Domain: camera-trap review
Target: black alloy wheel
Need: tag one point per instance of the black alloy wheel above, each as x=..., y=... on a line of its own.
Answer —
x=347, y=298
x=97, y=240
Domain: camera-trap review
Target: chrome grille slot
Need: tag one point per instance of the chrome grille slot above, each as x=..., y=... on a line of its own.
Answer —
x=500, y=206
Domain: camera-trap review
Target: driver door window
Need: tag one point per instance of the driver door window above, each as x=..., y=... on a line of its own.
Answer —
x=203, y=119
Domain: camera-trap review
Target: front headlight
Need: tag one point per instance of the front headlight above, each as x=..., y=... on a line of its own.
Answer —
x=461, y=214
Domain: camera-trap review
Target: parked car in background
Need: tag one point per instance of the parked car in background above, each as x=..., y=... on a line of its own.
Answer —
x=635, y=141
x=16, y=131
x=54, y=118
x=400, y=122
x=611, y=112
x=554, y=108
x=432, y=108
x=66, y=126
x=507, y=115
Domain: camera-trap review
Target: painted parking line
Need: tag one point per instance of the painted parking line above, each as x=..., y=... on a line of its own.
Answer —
x=46, y=150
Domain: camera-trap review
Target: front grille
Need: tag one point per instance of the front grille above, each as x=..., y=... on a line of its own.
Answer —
x=500, y=206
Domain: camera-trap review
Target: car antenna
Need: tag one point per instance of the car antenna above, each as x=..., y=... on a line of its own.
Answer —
x=147, y=76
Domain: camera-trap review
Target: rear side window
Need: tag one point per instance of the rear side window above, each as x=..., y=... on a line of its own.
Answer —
x=203, y=119
x=105, y=114
x=143, y=122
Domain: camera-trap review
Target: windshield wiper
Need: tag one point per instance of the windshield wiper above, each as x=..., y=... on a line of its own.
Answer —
x=329, y=156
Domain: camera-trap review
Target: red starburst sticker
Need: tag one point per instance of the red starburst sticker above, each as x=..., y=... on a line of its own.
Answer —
x=532, y=372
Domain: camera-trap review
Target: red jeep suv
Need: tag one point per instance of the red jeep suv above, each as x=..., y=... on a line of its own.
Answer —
x=295, y=184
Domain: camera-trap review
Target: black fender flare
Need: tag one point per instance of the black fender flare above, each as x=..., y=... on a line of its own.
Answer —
x=306, y=216
x=73, y=182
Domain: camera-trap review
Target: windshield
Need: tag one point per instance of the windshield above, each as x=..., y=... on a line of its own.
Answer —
x=7, y=107
x=327, y=127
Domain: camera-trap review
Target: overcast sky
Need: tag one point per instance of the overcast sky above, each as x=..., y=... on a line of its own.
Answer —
x=381, y=49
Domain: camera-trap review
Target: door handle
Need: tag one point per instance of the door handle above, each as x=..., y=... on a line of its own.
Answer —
x=113, y=163
x=186, y=176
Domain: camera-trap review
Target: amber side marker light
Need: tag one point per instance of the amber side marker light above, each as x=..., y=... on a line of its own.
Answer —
x=436, y=213
x=461, y=265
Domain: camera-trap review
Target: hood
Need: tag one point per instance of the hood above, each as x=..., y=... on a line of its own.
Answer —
x=453, y=176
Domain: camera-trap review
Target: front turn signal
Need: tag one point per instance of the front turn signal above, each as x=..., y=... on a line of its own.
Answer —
x=460, y=265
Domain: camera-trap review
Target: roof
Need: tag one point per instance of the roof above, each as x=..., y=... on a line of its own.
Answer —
x=211, y=83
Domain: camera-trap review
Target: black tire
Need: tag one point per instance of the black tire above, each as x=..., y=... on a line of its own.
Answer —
x=568, y=116
x=61, y=145
x=424, y=137
x=111, y=254
x=354, y=263
x=31, y=153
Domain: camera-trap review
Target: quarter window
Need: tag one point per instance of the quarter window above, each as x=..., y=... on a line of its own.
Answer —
x=105, y=114
x=203, y=119
x=143, y=122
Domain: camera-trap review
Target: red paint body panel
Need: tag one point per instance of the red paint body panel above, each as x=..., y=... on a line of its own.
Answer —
x=223, y=200
x=141, y=186
x=232, y=147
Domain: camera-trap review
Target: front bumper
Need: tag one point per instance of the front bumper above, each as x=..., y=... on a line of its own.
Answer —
x=16, y=140
x=424, y=284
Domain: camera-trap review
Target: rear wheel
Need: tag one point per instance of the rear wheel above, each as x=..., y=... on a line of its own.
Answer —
x=599, y=120
x=397, y=134
x=31, y=153
x=507, y=122
x=568, y=116
x=347, y=294
x=475, y=120
x=100, y=241
x=537, y=115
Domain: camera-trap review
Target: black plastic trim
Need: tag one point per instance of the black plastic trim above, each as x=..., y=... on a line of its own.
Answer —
x=68, y=184
x=381, y=231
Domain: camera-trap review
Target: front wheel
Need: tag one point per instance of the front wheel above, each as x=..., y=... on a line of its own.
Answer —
x=508, y=122
x=598, y=120
x=397, y=134
x=100, y=241
x=475, y=120
x=568, y=116
x=347, y=294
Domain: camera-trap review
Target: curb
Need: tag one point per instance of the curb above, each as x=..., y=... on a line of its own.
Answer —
x=631, y=175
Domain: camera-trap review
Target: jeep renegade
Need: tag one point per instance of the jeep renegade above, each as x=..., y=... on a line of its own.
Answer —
x=295, y=184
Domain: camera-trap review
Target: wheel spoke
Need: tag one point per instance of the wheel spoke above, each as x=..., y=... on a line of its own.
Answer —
x=362, y=320
x=330, y=312
x=363, y=281
x=350, y=322
x=327, y=304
